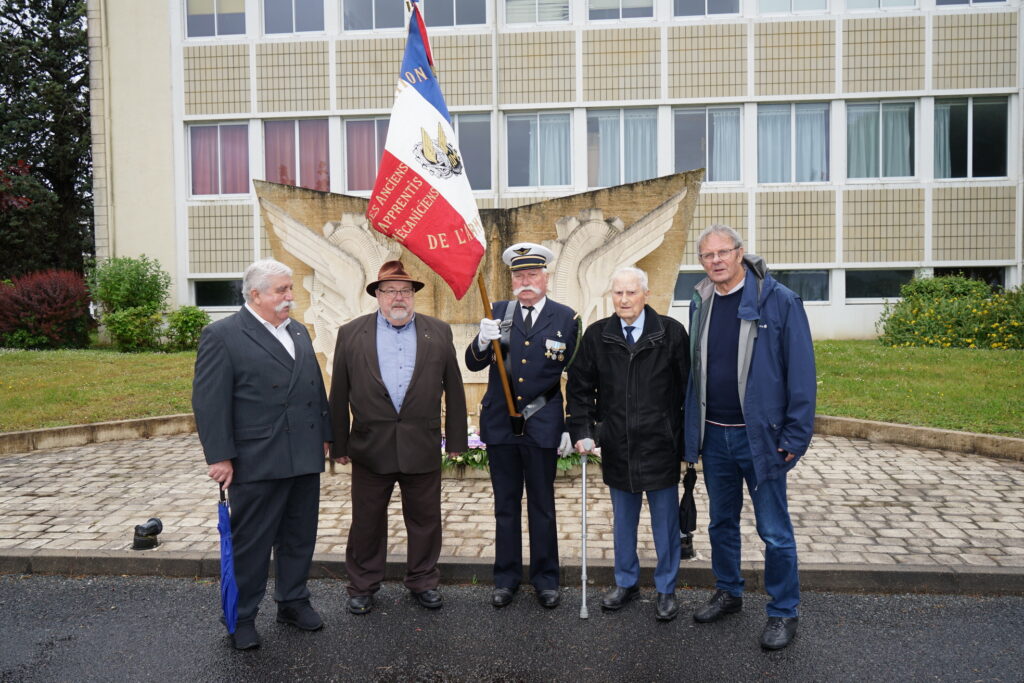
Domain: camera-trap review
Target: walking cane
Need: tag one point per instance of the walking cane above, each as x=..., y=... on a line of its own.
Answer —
x=583, y=578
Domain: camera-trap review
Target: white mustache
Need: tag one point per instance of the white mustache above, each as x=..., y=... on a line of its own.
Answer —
x=527, y=288
x=284, y=306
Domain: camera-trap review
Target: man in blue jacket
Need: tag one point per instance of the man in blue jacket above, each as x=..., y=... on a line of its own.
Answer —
x=750, y=414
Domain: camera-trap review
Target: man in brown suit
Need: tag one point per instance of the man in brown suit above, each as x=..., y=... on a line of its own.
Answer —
x=390, y=368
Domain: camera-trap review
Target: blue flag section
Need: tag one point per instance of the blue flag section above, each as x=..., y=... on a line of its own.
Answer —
x=417, y=63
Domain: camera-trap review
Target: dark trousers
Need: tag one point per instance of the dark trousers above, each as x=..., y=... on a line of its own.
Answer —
x=366, y=552
x=279, y=515
x=511, y=467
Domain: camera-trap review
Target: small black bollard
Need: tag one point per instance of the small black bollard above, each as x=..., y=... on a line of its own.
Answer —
x=146, y=534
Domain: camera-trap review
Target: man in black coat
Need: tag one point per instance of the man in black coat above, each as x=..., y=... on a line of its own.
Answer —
x=261, y=413
x=625, y=394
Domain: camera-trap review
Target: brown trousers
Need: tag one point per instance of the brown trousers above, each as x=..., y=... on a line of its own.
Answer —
x=366, y=553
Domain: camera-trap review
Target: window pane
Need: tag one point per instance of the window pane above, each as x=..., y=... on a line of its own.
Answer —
x=685, y=282
x=898, y=139
x=522, y=143
x=810, y=285
x=724, y=147
x=552, y=10
x=811, y=143
x=314, y=155
x=309, y=15
x=361, y=154
x=806, y=5
x=773, y=143
x=475, y=146
x=952, y=2
x=470, y=12
x=861, y=4
x=219, y=293
x=994, y=276
x=603, y=148
x=358, y=15
x=234, y=159
x=520, y=11
x=774, y=6
x=277, y=16
x=688, y=8
x=902, y=3
x=862, y=140
x=990, y=123
x=279, y=151
x=203, y=152
x=388, y=13
x=690, y=140
x=199, y=19
x=439, y=13
x=604, y=9
x=723, y=6
x=632, y=9
x=553, y=152
x=639, y=144
x=876, y=284
x=230, y=17
x=951, y=138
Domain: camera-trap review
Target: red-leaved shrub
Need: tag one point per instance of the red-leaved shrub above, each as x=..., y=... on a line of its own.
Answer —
x=48, y=309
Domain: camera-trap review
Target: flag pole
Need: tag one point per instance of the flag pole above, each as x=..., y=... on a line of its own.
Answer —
x=496, y=345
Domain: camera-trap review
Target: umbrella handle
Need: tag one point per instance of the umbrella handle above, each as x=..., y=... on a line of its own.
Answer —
x=221, y=489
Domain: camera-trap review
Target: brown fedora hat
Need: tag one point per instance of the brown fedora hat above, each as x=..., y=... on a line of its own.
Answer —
x=392, y=270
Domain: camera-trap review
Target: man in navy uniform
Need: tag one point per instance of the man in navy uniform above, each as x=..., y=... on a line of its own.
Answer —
x=538, y=338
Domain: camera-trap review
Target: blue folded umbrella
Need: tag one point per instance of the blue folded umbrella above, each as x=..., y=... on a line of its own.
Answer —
x=228, y=587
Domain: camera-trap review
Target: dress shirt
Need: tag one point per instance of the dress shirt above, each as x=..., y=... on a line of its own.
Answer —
x=637, y=325
x=537, y=308
x=280, y=331
x=396, y=353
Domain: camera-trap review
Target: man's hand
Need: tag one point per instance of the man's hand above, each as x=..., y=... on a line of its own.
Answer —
x=489, y=331
x=222, y=472
x=585, y=446
x=565, y=445
x=327, y=453
x=789, y=456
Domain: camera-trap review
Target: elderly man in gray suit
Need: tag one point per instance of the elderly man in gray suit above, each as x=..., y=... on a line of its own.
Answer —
x=262, y=417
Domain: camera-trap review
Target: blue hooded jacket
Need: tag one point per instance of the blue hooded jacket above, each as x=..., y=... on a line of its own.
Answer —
x=777, y=379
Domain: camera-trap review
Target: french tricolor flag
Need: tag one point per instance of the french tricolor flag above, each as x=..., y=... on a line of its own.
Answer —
x=422, y=197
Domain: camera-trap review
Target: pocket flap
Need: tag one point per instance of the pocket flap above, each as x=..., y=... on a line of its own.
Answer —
x=249, y=433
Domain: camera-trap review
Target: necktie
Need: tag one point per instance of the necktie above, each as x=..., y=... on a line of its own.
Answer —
x=528, y=321
x=629, y=335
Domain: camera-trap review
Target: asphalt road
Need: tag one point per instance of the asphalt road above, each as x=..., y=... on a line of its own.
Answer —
x=156, y=629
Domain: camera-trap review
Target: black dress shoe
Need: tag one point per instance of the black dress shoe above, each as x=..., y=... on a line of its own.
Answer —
x=778, y=632
x=667, y=606
x=618, y=596
x=430, y=598
x=245, y=636
x=720, y=604
x=360, y=604
x=302, y=616
x=502, y=597
x=549, y=598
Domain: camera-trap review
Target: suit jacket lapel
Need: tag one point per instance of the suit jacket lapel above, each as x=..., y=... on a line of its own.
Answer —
x=369, y=343
x=542, y=320
x=300, y=351
x=262, y=336
x=423, y=339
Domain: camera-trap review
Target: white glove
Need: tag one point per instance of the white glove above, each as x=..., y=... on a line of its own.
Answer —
x=489, y=331
x=585, y=445
x=565, y=446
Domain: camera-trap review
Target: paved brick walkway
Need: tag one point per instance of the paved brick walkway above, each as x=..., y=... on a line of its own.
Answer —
x=853, y=502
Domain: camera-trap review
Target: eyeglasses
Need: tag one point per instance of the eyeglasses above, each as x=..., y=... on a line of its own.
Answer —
x=709, y=256
x=392, y=293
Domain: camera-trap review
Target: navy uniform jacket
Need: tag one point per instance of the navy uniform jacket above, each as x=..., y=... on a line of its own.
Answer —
x=532, y=375
x=256, y=406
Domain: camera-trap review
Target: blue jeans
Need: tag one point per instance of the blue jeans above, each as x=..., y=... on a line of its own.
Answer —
x=664, y=506
x=727, y=463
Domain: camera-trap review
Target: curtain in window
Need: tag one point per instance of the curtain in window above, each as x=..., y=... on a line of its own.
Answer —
x=203, y=150
x=640, y=144
x=234, y=159
x=554, y=149
x=637, y=8
x=360, y=154
x=811, y=143
x=603, y=148
x=773, y=143
x=314, y=167
x=862, y=140
x=943, y=164
x=551, y=10
x=520, y=11
x=724, y=161
x=279, y=151
x=898, y=139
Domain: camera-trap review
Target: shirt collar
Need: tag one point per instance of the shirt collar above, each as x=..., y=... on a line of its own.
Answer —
x=637, y=325
x=734, y=289
x=267, y=324
x=382, y=321
x=537, y=308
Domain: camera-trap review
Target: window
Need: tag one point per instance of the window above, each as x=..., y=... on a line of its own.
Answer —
x=880, y=139
x=791, y=6
x=792, y=143
x=810, y=285
x=538, y=150
x=875, y=4
x=306, y=164
x=364, y=145
x=293, y=16
x=454, y=12
x=220, y=159
x=685, y=282
x=876, y=284
x=214, y=18
x=697, y=8
x=219, y=293
x=622, y=146
x=621, y=9
x=364, y=15
x=709, y=138
x=994, y=276
x=964, y=2
x=971, y=137
x=536, y=11
x=474, y=133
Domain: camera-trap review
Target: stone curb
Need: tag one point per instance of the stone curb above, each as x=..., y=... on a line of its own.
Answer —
x=841, y=578
x=142, y=428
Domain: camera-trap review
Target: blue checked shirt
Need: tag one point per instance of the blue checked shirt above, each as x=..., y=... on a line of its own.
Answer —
x=396, y=353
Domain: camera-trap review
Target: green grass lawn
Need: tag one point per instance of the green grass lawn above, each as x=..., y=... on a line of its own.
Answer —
x=964, y=389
